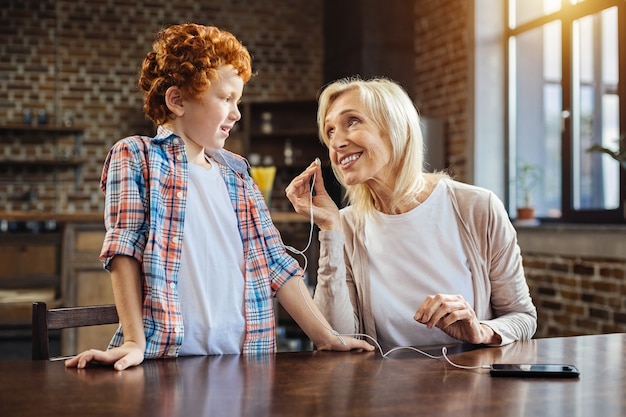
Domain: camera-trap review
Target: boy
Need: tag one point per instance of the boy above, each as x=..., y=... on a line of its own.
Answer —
x=193, y=254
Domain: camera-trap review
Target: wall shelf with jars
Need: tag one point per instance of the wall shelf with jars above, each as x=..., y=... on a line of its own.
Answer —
x=281, y=134
x=284, y=131
x=34, y=156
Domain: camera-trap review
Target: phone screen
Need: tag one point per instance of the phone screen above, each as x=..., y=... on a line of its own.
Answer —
x=534, y=370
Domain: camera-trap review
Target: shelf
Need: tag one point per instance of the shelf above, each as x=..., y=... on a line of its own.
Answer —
x=286, y=134
x=44, y=216
x=60, y=150
x=22, y=237
x=288, y=217
x=285, y=118
x=291, y=121
x=41, y=128
x=68, y=162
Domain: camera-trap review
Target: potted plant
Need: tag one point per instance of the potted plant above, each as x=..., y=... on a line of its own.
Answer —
x=528, y=177
x=619, y=155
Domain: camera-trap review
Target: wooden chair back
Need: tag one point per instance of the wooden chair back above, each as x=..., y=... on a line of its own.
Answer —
x=44, y=320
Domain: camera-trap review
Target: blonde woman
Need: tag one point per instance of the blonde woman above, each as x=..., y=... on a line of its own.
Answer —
x=415, y=258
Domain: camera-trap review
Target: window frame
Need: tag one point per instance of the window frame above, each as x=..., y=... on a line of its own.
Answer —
x=567, y=15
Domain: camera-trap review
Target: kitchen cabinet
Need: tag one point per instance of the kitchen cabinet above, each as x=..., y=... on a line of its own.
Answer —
x=61, y=268
x=283, y=134
x=284, y=131
x=30, y=267
x=85, y=282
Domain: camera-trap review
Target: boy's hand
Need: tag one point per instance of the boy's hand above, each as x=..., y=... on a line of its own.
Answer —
x=125, y=356
x=345, y=343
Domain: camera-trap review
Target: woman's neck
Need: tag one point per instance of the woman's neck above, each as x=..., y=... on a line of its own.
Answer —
x=383, y=198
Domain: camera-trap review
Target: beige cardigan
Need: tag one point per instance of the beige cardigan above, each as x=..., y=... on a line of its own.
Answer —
x=501, y=295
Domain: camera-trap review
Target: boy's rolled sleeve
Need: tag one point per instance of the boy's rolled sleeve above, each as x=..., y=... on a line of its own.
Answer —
x=122, y=242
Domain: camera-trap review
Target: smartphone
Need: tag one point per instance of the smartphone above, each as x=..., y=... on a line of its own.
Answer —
x=534, y=370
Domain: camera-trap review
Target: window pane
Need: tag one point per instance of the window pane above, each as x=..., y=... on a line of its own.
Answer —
x=535, y=128
x=595, y=176
x=522, y=11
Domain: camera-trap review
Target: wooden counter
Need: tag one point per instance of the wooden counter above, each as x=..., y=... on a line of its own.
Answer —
x=330, y=384
x=41, y=216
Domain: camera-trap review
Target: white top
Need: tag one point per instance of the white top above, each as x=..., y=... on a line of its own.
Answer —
x=407, y=264
x=211, y=279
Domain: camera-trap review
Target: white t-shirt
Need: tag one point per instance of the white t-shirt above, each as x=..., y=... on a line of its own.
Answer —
x=413, y=255
x=211, y=278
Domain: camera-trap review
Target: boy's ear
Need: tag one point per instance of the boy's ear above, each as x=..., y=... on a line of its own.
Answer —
x=174, y=100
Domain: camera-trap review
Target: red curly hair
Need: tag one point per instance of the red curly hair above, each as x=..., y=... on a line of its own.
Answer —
x=188, y=56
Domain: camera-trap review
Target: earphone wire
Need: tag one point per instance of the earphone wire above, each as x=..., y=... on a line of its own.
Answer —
x=444, y=349
x=311, y=225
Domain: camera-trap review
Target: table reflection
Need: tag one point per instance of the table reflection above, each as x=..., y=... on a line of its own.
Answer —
x=192, y=386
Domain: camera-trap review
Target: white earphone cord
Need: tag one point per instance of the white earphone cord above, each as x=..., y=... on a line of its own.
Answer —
x=444, y=350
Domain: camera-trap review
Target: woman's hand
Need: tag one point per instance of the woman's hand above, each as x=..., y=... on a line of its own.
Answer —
x=125, y=356
x=453, y=315
x=325, y=211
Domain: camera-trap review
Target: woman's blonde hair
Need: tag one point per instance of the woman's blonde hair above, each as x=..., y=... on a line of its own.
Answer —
x=390, y=108
x=188, y=56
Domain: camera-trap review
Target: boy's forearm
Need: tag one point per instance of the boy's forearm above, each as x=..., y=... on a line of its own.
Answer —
x=127, y=290
x=295, y=298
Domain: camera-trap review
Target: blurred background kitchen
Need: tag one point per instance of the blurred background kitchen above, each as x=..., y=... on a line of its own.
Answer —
x=501, y=85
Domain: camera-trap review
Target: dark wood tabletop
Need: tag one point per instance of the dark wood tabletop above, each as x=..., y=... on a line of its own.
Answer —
x=330, y=384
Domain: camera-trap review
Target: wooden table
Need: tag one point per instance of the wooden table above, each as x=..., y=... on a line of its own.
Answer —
x=329, y=384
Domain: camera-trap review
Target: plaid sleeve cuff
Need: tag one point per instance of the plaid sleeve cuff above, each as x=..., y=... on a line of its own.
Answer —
x=122, y=242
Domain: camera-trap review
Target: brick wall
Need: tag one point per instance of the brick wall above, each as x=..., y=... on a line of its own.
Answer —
x=577, y=295
x=83, y=57
x=442, y=59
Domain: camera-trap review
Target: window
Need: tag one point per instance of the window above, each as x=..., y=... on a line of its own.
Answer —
x=564, y=99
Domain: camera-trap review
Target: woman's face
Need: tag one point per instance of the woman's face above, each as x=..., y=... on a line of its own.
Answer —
x=356, y=146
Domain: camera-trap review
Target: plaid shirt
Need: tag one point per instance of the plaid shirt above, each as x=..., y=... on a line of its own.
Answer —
x=145, y=182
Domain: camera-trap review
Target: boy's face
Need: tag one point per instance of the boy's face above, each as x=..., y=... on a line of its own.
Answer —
x=207, y=120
